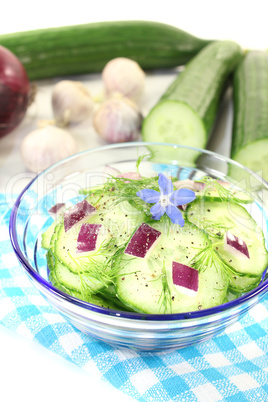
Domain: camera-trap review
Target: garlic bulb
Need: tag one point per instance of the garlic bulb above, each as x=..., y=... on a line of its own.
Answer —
x=43, y=147
x=125, y=76
x=118, y=119
x=71, y=102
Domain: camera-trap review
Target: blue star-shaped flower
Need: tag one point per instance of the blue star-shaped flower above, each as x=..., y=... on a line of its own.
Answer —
x=167, y=200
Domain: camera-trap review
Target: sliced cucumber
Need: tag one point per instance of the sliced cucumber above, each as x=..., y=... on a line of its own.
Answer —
x=213, y=194
x=118, y=222
x=186, y=112
x=146, y=285
x=110, y=277
x=64, y=280
x=47, y=235
x=83, y=283
x=244, y=283
x=218, y=217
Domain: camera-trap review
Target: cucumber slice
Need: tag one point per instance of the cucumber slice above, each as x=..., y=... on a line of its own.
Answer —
x=146, y=285
x=60, y=278
x=82, y=283
x=212, y=194
x=218, y=217
x=118, y=222
x=242, y=283
x=47, y=235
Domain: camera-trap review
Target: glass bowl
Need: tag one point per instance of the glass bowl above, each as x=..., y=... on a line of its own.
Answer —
x=63, y=181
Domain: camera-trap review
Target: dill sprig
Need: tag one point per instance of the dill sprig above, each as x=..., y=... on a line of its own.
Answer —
x=223, y=192
x=165, y=296
x=213, y=229
x=209, y=257
x=140, y=159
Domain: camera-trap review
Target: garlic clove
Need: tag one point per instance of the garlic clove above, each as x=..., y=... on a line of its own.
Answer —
x=45, y=146
x=71, y=102
x=125, y=76
x=118, y=120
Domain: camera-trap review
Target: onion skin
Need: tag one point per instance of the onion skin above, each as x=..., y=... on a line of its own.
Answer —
x=14, y=91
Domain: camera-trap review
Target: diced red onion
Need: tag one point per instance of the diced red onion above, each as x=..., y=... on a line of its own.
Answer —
x=56, y=208
x=87, y=237
x=76, y=213
x=235, y=245
x=142, y=241
x=185, y=277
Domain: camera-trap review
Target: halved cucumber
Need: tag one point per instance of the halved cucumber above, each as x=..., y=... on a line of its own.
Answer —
x=187, y=111
x=250, y=125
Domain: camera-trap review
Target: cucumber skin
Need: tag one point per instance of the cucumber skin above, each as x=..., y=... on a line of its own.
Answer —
x=250, y=97
x=86, y=48
x=203, y=81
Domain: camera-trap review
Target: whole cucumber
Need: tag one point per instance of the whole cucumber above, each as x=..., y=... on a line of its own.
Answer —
x=86, y=48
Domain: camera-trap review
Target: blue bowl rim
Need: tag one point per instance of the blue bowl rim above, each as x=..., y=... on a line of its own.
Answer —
x=260, y=290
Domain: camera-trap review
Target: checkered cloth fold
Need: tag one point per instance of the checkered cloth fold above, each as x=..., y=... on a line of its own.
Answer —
x=231, y=367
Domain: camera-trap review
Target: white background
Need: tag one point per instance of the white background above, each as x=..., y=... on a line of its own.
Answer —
x=28, y=371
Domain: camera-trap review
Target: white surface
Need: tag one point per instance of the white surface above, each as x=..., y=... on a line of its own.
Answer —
x=22, y=361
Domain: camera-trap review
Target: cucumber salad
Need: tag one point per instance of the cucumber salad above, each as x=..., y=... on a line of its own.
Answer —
x=156, y=245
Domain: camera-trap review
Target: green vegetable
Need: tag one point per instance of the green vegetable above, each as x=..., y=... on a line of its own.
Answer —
x=186, y=112
x=112, y=277
x=87, y=48
x=250, y=124
x=216, y=217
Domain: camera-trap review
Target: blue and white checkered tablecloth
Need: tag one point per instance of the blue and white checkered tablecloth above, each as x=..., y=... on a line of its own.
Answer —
x=231, y=367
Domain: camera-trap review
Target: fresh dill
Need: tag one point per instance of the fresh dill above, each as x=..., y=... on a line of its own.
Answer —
x=165, y=296
x=225, y=194
x=209, y=257
x=140, y=159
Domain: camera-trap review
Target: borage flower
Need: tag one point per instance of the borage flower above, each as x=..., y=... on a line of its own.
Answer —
x=167, y=200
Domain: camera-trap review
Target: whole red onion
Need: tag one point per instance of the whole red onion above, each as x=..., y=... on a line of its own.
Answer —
x=14, y=91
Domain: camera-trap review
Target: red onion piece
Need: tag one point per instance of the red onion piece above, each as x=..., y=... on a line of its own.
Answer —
x=14, y=91
x=235, y=245
x=76, y=213
x=56, y=208
x=185, y=277
x=142, y=240
x=87, y=237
